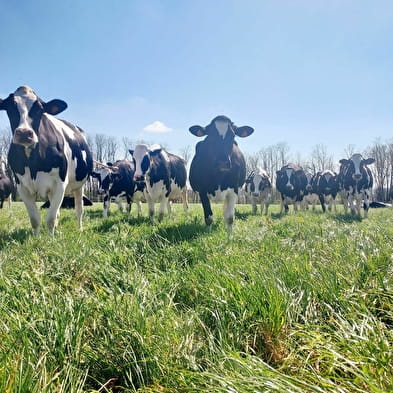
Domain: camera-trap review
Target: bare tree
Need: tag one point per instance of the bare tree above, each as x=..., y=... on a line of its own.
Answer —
x=127, y=144
x=185, y=152
x=320, y=159
x=349, y=151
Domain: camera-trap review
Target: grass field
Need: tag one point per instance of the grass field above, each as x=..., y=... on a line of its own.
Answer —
x=298, y=303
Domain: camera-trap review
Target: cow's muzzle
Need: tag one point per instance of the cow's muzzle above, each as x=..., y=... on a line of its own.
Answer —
x=139, y=178
x=23, y=136
x=290, y=187
x=357, y=176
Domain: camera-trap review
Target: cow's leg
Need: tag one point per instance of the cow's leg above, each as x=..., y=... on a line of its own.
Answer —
x=185, y=200
x=254, y=204
x=282, y=205
x=32, y=210
x=107, y=205
x=129, y=201
x=367, y=195
x=119, y=203
x=169, y=208
x=1, y=203
x=207, y=210
x=229, y=210
x=139, y=208
x=322, y=200
x=150, y=203
x=78, y=198
x=55, y=197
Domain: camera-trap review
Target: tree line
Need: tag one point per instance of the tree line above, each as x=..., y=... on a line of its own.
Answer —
x=107, y=148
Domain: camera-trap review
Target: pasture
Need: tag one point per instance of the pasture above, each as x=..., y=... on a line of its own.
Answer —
x=295, y=303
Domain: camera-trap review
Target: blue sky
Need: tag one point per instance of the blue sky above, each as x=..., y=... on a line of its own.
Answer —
x=304, y=72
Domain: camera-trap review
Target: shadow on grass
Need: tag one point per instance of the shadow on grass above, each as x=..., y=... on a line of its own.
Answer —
x=17, y=236
x=182, y=232
x=245, y=215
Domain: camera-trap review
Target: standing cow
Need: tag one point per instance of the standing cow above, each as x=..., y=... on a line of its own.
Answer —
x=164, y=174
x=218, y=169
x=117, y=181
x=49, y=157
x=259, y=188
x=326, y=186
x=310, y=196
x=291, y=182
x=357, y=183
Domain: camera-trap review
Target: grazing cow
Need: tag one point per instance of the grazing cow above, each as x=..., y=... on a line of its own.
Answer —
x=291, y=182
x=164, y=174
x=49, y=157
x=218, y=169
x=310, y=196
x=259, y=188
x=326, y=186
x=357, y=182
x=5, y=189
x=117, y=181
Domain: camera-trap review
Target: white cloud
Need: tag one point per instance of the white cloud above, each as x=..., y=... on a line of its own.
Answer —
x=157, y=127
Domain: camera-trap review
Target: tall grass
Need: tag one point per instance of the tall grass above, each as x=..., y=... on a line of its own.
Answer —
x=295, y=303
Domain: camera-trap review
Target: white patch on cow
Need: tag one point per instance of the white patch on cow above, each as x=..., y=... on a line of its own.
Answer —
x=104, y=173
x=356, y=159
x=289, y=173
x=25, y=98
x=165, y=155
x=222, y=127
x=140, y=151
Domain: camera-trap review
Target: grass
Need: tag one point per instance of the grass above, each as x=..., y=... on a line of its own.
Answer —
x=295, y=303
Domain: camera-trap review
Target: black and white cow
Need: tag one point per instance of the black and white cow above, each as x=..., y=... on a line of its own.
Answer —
x=259, y=189
x=310, y=196
x=117, y=181
x=326, y=186
x=5, y=189
x=49, y=157
x=357, y=182
x=291, y=182
x=218, y=169
x=164, y=175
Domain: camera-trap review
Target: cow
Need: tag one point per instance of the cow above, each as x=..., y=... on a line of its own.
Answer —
x=291, y=182
x=259, y=188
x=164, y=175
x=5, y=189
x=218, y=168
x=310, y=196
x=48, y=156
x=357, y=182
x=117, y=181
x=327, y=187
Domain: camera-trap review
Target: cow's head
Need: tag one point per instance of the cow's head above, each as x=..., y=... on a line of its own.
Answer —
x=220, y=135
x=142, y=155
x=105, y=176
x=355, y=166
x=259, y=183
x=310, y=178
x=328, y=180
x=25, y=110
x=286, y=177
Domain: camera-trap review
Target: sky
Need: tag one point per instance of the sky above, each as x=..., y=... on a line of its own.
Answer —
x=304, y=72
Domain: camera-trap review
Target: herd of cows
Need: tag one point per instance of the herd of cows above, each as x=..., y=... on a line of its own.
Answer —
x=50, y=158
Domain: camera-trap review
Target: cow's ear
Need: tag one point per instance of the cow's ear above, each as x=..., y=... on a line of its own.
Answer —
x=198, y=130
x=131, y=151
x=109, y=164
x=95, y=175
x=244, y=131
x=1, y=104
x=154, y=149
x=54, y=107
x=344, y=161
x=369, y=161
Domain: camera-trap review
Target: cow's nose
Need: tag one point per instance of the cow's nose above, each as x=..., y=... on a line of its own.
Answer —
x=290, y=187
x=24, y=133
x=308, y=187
x=357, y=176
x=139, y=178
x=256, y=194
